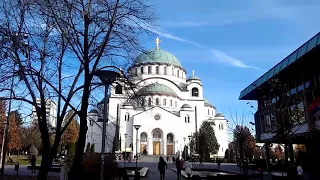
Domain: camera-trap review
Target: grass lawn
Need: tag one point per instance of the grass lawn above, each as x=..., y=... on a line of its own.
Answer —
x=22, y=159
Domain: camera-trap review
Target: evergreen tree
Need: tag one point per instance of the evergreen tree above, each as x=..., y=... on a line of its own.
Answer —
x=19, y=120
x=88, y=148
x=92, y=149
x=208, y=143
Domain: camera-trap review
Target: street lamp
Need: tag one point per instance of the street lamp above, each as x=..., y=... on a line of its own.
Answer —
x=125, y=149
x=189, y=144
x=18, y=40
x=107, y=77
x=136, y=172
x=184, y=148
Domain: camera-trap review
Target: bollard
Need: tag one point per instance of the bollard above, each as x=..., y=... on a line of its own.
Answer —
x=16, y=168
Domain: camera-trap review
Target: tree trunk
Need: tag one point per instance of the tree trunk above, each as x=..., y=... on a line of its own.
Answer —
x=77, y=161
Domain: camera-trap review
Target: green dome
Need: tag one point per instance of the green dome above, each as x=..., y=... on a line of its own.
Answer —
x=156, y=89
x=157, y=56
x=207, y=103
x=193, y=77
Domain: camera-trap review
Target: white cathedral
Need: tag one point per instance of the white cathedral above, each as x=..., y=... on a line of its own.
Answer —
x=168, y=106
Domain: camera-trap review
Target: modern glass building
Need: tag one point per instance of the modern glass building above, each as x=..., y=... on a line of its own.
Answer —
x=288, y=97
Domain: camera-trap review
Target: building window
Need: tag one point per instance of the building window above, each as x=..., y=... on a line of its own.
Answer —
x=164, y=102
x=136, y=71
x=142, y=102
x=143, y=137
x=126, y=117
x=187, y=119
x=165, y=70
x=141, y=70
x=212, y=112
x=157, y=69
x=149, y=102
x=176, y=104
x=172, y=72
x=195, y=92
x=149, y=69
x=208, y=112
x=178, y=73
x=171, y=103
x=157, y=101
x=118, y=89
x=170, y=138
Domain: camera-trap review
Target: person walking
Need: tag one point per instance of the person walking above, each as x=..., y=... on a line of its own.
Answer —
x=300, y=172
x=219, y=164
x=162, y=166
x=33, y=163
x=188, y=168
x=178, y=166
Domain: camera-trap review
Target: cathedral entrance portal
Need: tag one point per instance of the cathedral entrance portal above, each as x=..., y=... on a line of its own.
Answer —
x=170, y=144
x=156, y=148
x=156, y=141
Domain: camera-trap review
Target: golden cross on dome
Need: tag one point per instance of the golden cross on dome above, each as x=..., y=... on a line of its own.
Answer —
x=157, y=42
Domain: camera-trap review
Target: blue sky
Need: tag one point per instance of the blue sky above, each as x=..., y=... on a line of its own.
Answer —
x=231, y=43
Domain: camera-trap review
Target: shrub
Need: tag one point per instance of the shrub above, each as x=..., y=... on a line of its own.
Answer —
x=92, y=149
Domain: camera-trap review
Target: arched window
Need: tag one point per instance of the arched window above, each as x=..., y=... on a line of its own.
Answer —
x=212, y=112
x=143, y=137
x=157, y=69
x=141, y=70
x=126, y=117
x=221, y=126
x=195, y=92
x=187, y=119
x=142, y=102
x=172, y=72
x=118, y=89
x=171, y=103
x=164, y=102
x=178, y=72
x=149, y=69
x=165, y=70
x=170, y=138
x=156, y=134
x=136, y=71
x=149, y=102
x=157, y=101
x=208, y=111
x=176, y=104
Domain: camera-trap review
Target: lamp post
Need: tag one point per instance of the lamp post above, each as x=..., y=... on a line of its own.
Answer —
x=17, y=42
x=136, y=172
x=125, y=149
x=189, y=144
x=184, y=148
x=107, y=77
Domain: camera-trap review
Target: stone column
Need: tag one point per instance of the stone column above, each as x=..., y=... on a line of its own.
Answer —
x=150, y=146
x=164, y=146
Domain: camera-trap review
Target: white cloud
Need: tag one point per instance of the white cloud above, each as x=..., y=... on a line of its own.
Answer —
x=172, y=24
x=218, y=56
x=224, y=58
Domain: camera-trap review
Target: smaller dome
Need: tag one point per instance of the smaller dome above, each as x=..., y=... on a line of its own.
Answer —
x=157, y=89
x=218, y=115
x=93, y=111
x=208, y=104
x=193, y=77
x=185, y=106
x=127, y=104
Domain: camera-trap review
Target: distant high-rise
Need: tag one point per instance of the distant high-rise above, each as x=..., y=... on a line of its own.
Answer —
x=51, y=110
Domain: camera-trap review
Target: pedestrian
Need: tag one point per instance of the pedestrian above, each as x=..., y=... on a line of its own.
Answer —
x=162, y=166
x=173, y=159
x=300, y=172
x=33, y=163
x=219, y=163
x=178, y=166
x=188, y=168
x=168, y=159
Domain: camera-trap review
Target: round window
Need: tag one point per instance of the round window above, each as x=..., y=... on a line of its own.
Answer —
x=157, y=117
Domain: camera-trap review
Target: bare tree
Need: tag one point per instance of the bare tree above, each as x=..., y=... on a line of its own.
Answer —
x=66, y=43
